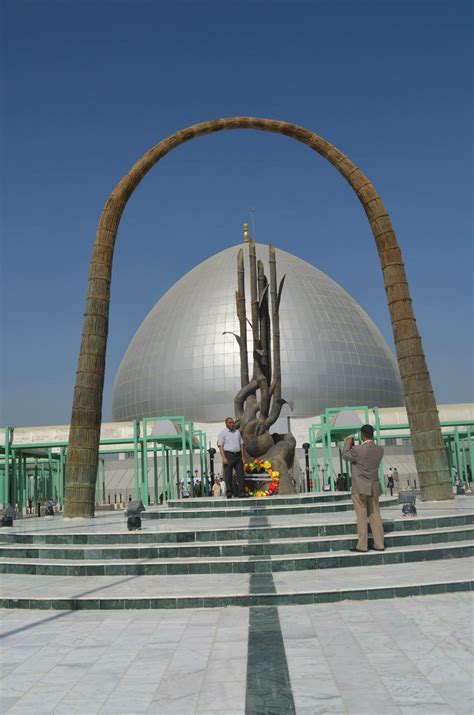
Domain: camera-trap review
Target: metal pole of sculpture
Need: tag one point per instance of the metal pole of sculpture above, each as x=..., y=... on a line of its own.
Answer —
x=254, y=416
x=83, y=449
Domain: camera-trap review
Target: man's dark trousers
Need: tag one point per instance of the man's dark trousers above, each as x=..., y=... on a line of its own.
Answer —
x=234, y=461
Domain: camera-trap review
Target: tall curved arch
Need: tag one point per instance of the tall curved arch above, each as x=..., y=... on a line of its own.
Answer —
x=428, y=446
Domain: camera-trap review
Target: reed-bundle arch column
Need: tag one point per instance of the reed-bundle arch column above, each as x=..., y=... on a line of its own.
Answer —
x=423, y=418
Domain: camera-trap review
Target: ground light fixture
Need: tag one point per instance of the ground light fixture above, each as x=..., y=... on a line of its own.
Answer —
x=407, y=500
x=134, y=510
x=7, y=518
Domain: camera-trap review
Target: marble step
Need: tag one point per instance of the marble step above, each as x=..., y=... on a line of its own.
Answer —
x=214, y=590
x=152, y=535
x=257, y=547
x=277, y=500
x=255, y=507
x=238, y=564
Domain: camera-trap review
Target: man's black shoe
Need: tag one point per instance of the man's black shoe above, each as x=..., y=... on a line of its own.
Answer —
x=229, y=496
x=374, y=549
x=358, y=551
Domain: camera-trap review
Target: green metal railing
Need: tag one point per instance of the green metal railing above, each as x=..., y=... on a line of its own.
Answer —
x=33, y=472
x=458, y=437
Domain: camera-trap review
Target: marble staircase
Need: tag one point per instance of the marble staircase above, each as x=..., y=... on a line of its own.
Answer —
x=278, y=551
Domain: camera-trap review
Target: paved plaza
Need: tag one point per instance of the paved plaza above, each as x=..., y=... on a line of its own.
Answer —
x=411, y=656
x=145, y=642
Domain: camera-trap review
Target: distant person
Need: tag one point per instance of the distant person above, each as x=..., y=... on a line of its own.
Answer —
x=365, y=459
x=161, y=498
x=216, y=489
x=231, y=447
x=395, y=477
x=391, y=480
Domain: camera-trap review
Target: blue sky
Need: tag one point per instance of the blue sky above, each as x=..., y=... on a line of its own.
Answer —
x=87, y=87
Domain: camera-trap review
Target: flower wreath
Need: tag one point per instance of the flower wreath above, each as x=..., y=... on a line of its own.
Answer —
x=262, y=466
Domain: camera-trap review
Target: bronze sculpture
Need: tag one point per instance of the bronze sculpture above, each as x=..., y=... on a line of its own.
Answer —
x=255, y=415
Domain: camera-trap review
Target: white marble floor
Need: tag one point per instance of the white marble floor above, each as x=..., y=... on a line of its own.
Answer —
x=411, y=656
x=115, y=522
x=236, y=584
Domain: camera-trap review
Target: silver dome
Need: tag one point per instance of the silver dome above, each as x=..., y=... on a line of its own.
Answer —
x=180, y=363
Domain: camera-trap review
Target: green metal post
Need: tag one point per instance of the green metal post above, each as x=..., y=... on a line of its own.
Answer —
x=312, y=456
x=323, y=449
x=97, y=482
x=327, y=465
x=35, y=498
x=449, y=454
x=14, y=489
x=62, y=460
x=202, y=452
x=316, y=485
x=136, y=437
x=155, y=473
x=144, y=450
x=191, y=456
x=2, y=482
x=6, y=491
x=202, y=460
x=324, y=446
x=185, y=456
x=457, y=451
x=19, y=491
x=163, y=470
x=339, y=450
x=103, y=481
x=168, y=471
x=42, y=483
x=176, y=481
x=331, y=462
x=378, y=440
x=26, y=488
x=470, y=443
x=463, y=474
x=51, y=476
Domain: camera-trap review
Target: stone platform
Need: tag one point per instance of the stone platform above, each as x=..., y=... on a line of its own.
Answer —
x=261, y=552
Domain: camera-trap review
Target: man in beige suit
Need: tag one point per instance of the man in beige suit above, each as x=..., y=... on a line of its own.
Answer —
x=366, y=458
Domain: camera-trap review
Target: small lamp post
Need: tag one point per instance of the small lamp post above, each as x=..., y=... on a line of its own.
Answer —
x=306, y=447
x=211, y=452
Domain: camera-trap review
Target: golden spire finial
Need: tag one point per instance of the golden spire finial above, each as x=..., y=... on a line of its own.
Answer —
x=246, y=233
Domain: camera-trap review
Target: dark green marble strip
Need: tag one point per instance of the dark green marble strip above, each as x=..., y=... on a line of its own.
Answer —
x=268, y=679
x=254, y=564
x=261, y=533
x=252, y=547
x=208, y=503
x=261, y=603
x=254, y=511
